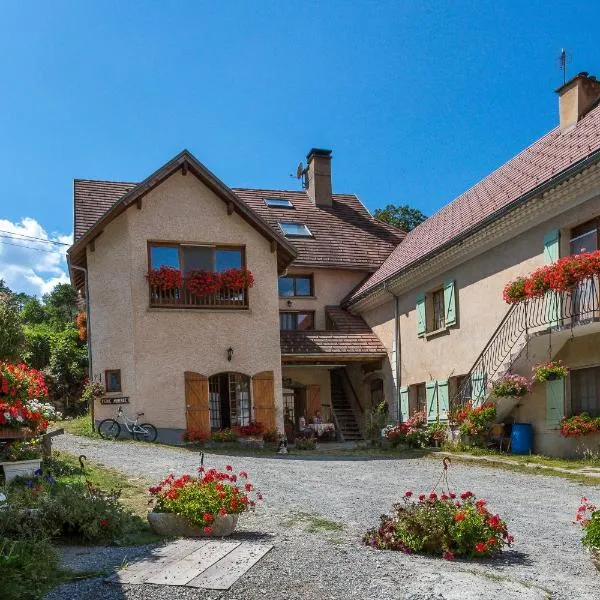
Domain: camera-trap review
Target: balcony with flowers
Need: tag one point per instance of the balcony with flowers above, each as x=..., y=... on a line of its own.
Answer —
x=169, y=288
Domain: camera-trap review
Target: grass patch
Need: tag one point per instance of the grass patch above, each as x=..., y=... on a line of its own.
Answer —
x=80, y=426
x=318, y=524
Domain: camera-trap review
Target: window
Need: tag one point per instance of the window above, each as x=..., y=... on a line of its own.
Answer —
x=417, y=399
x=112, y=378
x=437, y=300
x=296, y=285
x=584, y=238
x=294, y=229
x=229, y=400
x=278, y=203
x=585, y=391
x=296, y=321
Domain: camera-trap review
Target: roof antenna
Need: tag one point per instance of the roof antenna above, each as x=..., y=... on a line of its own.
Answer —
x=563, y=59
x=301, y=172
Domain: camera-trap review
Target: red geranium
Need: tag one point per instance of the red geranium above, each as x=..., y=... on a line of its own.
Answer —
x=236, y=279
x=165, y=278
x=203, y=283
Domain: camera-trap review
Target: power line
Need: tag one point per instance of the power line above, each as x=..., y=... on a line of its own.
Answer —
x=29, y=247
x=31, y=237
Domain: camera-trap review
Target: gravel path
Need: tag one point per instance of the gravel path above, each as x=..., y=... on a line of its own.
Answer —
x=547, y=560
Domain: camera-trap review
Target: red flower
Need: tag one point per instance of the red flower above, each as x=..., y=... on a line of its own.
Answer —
x=248, y=487
x=408, y=494
x=449, y=555
x=466, y=495
x=208, y=518
x=229, y=468
x=104, y=522
x=207, y=530
x=459, y=516
x=222, y=512
x=433, y=496
x=480, y=547
x=421, y=497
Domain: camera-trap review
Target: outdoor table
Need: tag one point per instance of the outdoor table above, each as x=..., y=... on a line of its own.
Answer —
x=322, y=428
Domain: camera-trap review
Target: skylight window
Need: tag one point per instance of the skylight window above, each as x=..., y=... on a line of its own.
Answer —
x=294, y=229
x=278, y=203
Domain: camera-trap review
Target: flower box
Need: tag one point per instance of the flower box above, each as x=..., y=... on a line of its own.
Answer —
x=11, y=433
x=170, y=524
x=20, y=468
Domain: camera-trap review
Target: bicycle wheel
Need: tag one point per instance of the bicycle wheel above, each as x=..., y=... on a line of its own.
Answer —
x=109, y=429
x=145, y=433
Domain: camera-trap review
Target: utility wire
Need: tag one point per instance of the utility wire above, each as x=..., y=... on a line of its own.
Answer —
x=29, y=247
x=31, y=237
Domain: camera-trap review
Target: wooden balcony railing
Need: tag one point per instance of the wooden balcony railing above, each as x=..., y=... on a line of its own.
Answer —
x=226, y=298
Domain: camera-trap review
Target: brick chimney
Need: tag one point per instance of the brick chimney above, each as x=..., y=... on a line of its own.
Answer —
x=318, y=176
x=576, y=98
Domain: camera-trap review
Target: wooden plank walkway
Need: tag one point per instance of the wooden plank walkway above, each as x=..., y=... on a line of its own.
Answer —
x=206, y=563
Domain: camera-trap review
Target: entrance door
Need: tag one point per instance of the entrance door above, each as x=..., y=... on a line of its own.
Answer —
x=196, y=403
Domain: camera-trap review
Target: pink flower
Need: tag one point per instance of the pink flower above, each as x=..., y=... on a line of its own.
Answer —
x=229, y=468
x=207, y=530
x=408, y=494
x=449, y=555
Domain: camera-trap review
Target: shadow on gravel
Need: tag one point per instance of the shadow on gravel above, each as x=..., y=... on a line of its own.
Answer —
x=251, y=536
x=506, y=559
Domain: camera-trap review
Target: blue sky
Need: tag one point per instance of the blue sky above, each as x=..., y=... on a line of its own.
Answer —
x=417, y=100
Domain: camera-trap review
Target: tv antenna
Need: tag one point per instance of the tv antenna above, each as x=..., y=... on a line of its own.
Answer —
x=301, y=172
x=563, y=60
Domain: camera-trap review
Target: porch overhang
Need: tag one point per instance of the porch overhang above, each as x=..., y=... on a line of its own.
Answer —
x=324, y=359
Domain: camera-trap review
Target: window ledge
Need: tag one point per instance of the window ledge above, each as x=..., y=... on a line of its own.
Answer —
x=437, y=333
x=298, y=297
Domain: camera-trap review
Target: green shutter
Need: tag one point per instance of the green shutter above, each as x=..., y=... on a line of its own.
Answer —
x=555, y=402
x=450, y=302
x=403, y=412
x=552, y=253
x=478, y=385
x=421, y=322
x=432, y=405
x=443, y=401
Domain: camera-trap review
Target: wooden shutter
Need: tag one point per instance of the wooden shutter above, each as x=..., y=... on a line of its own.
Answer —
x=263, y=398
x=197, y=414
x=432, y=401
x=404, y=409
x=443, y=400
x=313, y=400
x=555, y=402
x=552, y=253
x=478, y=385
x=450, y=302
x=421, y=320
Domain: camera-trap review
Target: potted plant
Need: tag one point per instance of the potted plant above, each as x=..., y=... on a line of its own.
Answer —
x=236, y=279
x=476, y=423
x=437, y=433
x=513, y=386
x=588, y=516
x=22, y=458
x=207, y=505
x=549, y=371
x=579, y=425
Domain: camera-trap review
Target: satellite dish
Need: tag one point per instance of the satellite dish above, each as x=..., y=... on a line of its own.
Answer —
x=300, y=171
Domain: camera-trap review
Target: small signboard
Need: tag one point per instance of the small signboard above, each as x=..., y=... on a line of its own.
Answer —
x=115, y=400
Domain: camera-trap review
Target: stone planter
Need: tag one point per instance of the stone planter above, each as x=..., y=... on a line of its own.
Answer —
x=8, y=433
x=595, y=556
x=169, y=524
x=20, y=468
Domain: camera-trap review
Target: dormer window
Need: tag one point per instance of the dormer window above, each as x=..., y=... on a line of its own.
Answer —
x=278, y=203
x=295, y=229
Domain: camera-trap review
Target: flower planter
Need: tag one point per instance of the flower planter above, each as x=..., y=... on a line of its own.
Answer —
x=595, y=556
x=169, y=524
x=9, y=433
x=20, y=468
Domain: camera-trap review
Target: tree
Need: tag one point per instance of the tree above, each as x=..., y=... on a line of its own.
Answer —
x=33, y=313
x=61, y=305
x=402, y=217
x=11, y=334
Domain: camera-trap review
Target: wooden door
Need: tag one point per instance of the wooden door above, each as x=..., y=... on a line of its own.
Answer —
x=313, y=401
x=197, y=413
x=263, y=397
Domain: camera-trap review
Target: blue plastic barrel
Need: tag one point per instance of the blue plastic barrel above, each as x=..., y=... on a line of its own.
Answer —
x=521, y=438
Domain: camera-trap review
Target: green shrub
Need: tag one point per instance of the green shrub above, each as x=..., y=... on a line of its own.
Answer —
x=588, y=516
x=224, y=435
x=305, y=443
x=271, y=436
x=28, y=568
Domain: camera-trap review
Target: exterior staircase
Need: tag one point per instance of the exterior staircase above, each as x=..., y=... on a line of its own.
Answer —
x=342, y=410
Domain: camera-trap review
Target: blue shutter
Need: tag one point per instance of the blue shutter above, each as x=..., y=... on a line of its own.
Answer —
x=443, y=400
x=421, y=322
x=478, y=385
x=552, y=253
x=450, y=302
x=403, y=412
x=555, y=402
x=432, y=405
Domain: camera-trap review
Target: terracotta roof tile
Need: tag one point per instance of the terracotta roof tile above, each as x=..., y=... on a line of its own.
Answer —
x=553, y=153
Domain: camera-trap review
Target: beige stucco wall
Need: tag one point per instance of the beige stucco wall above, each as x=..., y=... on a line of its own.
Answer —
x=331, y=286
x=312, y=376
x=576, y=353
x=153, y=347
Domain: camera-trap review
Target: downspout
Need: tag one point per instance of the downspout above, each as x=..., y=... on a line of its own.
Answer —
x=89, y=331
x=396, y=345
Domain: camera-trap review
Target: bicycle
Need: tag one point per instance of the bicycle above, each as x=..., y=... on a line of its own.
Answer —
x=110, y=429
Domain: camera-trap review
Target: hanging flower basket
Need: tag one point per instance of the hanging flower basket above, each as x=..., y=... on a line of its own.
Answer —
x=203, y=283
x=513, y=386
x=165, y=278
x=237, y=279
x=549, y=371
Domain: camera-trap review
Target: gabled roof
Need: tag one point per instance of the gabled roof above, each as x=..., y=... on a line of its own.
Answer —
x=93, y=198
x=350, y=339
x=556, y=154
x=345, y=235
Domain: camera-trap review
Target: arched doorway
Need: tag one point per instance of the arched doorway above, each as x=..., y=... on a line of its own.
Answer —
x=229, y=400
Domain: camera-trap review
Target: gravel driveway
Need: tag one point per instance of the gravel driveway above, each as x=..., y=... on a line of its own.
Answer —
x=310, y=562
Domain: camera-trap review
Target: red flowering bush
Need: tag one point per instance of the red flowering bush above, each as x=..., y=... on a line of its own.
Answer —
x=474, y=421
x=560, y=276
x=202, y=499
x=443, y=525
x=165, y=278
x=413, y=431
x=195, y=436
x=588, y=516
x=203, y=283
x=254, y=429
x=579, y=425
x=236, y=279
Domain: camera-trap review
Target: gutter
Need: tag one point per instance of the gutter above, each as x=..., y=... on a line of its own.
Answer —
x=536, y=191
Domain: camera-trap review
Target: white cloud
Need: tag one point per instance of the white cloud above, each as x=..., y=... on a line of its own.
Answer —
x=29, y=265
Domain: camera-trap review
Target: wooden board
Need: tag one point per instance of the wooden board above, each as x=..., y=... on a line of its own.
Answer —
x=190, y=566
x=197, y=411
x=224, y=573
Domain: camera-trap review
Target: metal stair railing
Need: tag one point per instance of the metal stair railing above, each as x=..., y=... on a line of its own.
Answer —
x=553, y=310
